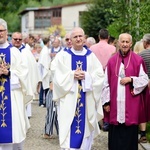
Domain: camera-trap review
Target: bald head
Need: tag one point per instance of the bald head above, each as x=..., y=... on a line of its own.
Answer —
x=67, y=40
x=77, y=38
x=75, y=30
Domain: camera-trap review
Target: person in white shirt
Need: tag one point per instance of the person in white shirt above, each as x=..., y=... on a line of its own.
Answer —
x=44, y=69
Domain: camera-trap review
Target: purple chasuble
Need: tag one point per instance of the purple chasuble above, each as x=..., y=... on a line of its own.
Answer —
x=134, y=104
x=78, y=124
x=5, y=100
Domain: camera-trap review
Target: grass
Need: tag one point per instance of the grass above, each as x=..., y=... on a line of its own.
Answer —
x=148, y=131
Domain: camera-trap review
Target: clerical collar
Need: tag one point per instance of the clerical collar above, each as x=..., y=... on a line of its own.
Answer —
x=4, y=45
x=79, y=52
x=57, y=49
x=124, y=54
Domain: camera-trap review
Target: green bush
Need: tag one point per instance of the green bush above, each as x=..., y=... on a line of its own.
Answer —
x=148, y=131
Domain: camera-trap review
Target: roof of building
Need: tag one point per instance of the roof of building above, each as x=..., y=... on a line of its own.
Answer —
x=49, y=8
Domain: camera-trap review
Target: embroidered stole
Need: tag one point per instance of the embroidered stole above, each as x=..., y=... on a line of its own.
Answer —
x=5, y=100
x=78, y=124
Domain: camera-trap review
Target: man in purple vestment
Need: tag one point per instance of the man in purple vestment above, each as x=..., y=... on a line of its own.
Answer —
x=124, y=86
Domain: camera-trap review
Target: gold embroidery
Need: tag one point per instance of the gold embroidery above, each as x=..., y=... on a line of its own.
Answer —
x=78, y=112
x=2, y=105
x=2, y=92
x=79, y=64
x=79, y=104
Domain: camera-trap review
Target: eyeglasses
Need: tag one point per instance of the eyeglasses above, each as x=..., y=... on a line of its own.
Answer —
x=2, y=30
x=67, y=39
x=17, y=39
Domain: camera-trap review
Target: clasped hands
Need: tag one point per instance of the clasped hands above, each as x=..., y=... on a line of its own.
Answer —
x=4, y=69
x=79, y=74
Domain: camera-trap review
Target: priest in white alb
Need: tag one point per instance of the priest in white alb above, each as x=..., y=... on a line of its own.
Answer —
x=77, y=82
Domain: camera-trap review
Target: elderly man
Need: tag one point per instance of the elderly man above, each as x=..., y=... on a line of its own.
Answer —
x=124, y=86
x=13, y=74
x=90, y=41
x=77, y=93
x=56, y=47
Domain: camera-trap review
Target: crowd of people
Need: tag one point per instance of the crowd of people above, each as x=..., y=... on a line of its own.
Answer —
x=84, y=85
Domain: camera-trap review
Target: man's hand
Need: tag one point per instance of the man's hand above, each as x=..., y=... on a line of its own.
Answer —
x=52, y=54
x=79, y=74
x=4, y=69
x=107, y=108
x=125, y=80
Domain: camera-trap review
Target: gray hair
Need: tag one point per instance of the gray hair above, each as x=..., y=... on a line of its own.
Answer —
x=91, y=40
x=122, y=34
x=76, y=29
x=146, y=38
x=25, y=35
x=3, y=23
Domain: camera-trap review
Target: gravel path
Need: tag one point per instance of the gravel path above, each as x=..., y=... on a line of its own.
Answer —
x=35, y=141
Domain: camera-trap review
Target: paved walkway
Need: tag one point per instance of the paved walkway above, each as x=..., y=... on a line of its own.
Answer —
x=34, y=140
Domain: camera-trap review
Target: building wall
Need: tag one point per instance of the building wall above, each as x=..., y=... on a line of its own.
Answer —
x=70, y=16
x=27, y=22
x=55, y=21
x=24, y=23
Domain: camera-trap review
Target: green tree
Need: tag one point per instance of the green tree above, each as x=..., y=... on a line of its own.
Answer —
x=122, y=18
x=118, y=16
x=9, y=11
x=132, y=17
x=144, y=21
x=98, y=16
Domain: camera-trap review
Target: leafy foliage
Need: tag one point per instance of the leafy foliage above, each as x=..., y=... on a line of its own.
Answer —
x=57, y=30
x=132, y=18
x=117, y=16
x=9, y=11
x=98, y=16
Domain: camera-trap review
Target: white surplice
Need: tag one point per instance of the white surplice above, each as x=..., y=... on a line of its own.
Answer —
x=33, y=76
x=44, y=67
